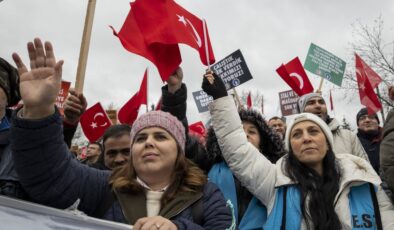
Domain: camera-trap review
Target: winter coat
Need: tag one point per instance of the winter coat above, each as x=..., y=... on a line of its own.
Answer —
x=371, y=144
x=243, y=201
x=345, y=141
x=265, y=179
x=52, y=177
x=387, y=152
x=9, y=181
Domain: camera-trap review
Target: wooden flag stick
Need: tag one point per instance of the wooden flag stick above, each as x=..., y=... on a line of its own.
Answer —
x=83, y=53
x=320, y=85
x=237, y=98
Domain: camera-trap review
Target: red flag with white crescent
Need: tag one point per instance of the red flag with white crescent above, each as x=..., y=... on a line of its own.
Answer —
x=94, y=121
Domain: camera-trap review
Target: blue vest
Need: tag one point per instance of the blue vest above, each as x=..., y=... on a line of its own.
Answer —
x=360, y=202
x=256, y=213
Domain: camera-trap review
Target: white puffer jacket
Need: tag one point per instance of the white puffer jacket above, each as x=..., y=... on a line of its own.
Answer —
x=261, y=177
x=345, y=141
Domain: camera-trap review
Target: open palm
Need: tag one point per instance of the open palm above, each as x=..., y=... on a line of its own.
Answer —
x=40, y=86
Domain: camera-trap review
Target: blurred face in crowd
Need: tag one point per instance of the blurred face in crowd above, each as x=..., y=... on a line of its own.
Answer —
x=252, y=133
x=116, y=151
x=309, y=144
x=317, y=106
x=154, y=153
x=368, y=123
x=278, y=126
x=3, y=103
x=93, y=151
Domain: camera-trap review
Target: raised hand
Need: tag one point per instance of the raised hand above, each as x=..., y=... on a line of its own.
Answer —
x=213, y=85
x=174, y=82
x=40, y=86
x=74, y=106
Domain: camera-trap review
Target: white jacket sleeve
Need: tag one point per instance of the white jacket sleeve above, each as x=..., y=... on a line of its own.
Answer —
x=254, y=171
x=386, y=209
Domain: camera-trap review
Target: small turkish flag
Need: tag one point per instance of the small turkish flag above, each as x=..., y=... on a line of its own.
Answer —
x=94, y=122
x=294, y=75
x=367, y=80
x=197, y=128
x=249, y=100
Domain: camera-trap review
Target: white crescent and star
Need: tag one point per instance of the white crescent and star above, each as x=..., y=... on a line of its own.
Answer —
x=299, y=78
x=186, y=21
x=95, y=124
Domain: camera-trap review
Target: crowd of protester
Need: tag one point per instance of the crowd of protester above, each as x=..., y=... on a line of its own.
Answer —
x=306, y=172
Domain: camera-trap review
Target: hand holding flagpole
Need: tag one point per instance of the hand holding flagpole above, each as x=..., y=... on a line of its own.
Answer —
x=83, y=53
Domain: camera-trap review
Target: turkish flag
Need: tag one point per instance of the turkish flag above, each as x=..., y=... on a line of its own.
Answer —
x=166, y=57
x=249, y=100
x=94, y=121
x=198, y=129
x=294, y=75
x=166, y=22
x=158, y=105
x=368, y=97
x=129, y=112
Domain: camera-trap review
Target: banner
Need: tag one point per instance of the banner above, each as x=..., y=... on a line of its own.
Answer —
x=202, y=100
x=288, y=102
x=325, y=64
x=18, y=214
x=62, y=96
x=233, y=70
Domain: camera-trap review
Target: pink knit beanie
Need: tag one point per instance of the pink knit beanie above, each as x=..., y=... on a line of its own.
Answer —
x=163, y=120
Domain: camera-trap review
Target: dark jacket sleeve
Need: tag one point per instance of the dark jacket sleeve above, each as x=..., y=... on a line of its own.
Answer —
x=175, y=103
x=68, y=132
x=217, y=215
x=47, y=170
x=387, y=151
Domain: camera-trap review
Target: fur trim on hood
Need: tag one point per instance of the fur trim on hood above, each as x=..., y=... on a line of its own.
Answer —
x=271, y=144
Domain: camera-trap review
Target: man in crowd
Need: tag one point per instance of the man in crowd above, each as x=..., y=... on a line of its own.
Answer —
x=278, y=125
x=93, y=152
x=344, y=140
x=370, y=135
x=116, y=143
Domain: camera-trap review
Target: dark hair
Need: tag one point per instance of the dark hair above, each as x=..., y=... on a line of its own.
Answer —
x=283, y=119
x=98, y=144
x=116, y=131
x=271, y=145
x=187, y=177
x=320, y=190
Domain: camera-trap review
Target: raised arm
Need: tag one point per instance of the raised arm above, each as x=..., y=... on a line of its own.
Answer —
x=44, y=165
x=254, y=171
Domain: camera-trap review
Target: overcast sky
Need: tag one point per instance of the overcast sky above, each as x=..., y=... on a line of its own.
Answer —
x=268, y=33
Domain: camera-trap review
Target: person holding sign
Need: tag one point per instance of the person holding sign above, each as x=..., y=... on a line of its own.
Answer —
x=157, y=189
x=309, y=188
x=246, y=207
x=344, y=140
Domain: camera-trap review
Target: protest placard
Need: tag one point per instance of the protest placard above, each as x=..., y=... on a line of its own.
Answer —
x=62, y=96
x=288, y=102
x=202, y=100
x=325, y=64
x=233, y=70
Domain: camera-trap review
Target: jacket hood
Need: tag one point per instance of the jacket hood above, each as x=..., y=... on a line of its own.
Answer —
x=271, y=144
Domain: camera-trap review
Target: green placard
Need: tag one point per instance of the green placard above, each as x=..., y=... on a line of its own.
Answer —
x=325, y=64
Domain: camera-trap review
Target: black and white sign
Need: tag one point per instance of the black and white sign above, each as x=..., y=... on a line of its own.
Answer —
x=233, y=70
x=202, y=100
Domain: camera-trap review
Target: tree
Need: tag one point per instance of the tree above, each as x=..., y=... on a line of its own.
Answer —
x=346, y=124
x=369, y=43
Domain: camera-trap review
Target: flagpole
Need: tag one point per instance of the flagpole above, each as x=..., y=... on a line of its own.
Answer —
x=147, y=88
x=83, y=53
x=237, y=98
x=204, y=26
x=382, y=110
x=320, y=85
